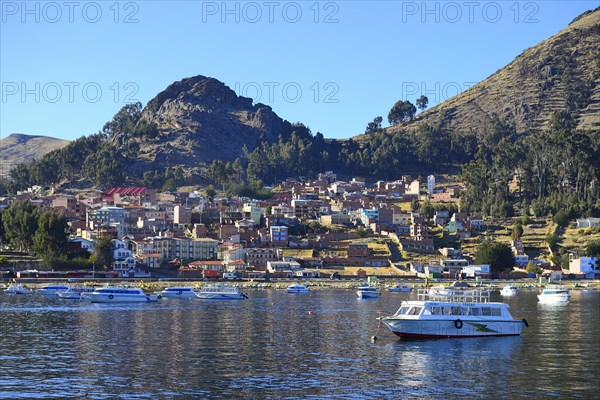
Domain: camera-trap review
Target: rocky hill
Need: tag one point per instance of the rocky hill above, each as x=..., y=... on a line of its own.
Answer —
x=200, y=119
x=18, y=148
x=560, y=73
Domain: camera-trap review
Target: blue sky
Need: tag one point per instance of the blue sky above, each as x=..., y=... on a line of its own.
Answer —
x=67, y=67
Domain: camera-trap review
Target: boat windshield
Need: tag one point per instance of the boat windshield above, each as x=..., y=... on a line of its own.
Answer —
x=408, y=310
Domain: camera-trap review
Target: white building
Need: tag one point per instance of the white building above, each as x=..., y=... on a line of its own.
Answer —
x=588, y=266
x=473, y=271
x=588, y=223
x=430, y=184
x=124, y=262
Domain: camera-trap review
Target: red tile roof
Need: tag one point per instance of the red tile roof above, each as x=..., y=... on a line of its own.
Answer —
x=127, y=191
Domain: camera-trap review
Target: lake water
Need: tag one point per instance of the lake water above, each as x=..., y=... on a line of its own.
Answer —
x=269, y=347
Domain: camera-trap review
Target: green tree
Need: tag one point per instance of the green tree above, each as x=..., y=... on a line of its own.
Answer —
x=534, y=268
x=103, y=252
x=374, y=126
x=422, y=102
x=427, y=210
x=169, y=185
x=517, y=232
x=210, y=192
x=20, y=222
x=592, y=249
x=552, y=241
x=561, y=218
x=51, y=237
x=401, y=111
x=498, y=255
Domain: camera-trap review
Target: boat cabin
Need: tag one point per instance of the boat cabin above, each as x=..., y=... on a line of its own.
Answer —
x=453, y=309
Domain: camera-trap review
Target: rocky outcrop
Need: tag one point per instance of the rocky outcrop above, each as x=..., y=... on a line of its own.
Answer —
x=200, y=119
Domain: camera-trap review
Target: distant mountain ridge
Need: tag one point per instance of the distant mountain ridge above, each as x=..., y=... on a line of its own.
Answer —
x=19, y=147
x=560, y=73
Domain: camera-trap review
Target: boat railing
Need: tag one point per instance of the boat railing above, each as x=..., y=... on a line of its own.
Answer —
x=454, y=295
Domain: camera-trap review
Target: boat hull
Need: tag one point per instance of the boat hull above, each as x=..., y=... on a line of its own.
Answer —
x=70, y=296
x=399, y=290
x=553, y=299
x=116, y=298
x=18, y=291
x=367, y=295
x=51, y=292
x=297, y=290
x=459, y=328
x=177, y=295
x=220, y=296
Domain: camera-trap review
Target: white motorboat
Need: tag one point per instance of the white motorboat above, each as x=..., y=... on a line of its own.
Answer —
x=366, y=291
x=297, y=288
x=120, y=295
x=464, y=313
x=75, y=293
x=52, y=290
x=220, y=292
x=399, y=288
x=17, y=289
x=177, y=293
x=554, y=294
x=441, y=290
x=509, y=290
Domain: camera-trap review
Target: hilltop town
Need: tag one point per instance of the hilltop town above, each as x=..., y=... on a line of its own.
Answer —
x=323, y=227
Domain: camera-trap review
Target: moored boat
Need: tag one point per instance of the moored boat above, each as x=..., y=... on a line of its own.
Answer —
x=509, y=290
x=220, y=292
x=177, y=293
x=75, y=293
x=366, y=291
x=120, y=295
x=297, y=288
x=554, y=294
x=17, y=289
x=52, y=290
x=399, y=288
x=463, y=313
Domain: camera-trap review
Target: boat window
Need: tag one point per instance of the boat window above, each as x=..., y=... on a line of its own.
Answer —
x=403, y=310
x=447, y=310
x=466, y=311
x=496, y=312
x=476, y=311
x=486, y=311
x=437, y=310
x=455, y=310
x=416, y=310
x=427, y=311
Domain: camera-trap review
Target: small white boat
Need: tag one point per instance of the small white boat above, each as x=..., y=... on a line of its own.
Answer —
x=554, y=294
x=177, y=293
x=509, y=290
x=466, y=313
x=52, y=290
x=17, y=289
x=220, y=292
x=75, y=293
x=120, y=295
x=399, y=288
x=297, y=288
x=366, y=291
x=441, y=290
